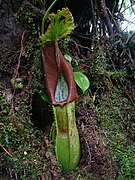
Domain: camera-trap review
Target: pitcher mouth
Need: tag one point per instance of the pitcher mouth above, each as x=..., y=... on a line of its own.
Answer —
x=52, y=71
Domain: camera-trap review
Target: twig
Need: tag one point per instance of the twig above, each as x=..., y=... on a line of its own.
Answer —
x=77, y=46
x=112, y=86
x=109, y=79
x=6, y=151
x=16, y=71
x=130, y=57
x=127, y=8
x=130, y=38
x=33, y=9
x=121, y=6
x=46, y=15
x=125, y=90
x=21, y=52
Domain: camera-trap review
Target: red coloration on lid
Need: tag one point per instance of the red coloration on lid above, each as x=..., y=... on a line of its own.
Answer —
x=51, y=74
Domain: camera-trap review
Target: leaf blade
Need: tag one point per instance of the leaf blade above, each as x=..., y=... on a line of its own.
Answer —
x=82, y=81
x=61, y=24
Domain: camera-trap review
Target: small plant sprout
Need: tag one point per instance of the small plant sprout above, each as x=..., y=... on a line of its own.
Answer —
x=68, y=58
x=17, y=84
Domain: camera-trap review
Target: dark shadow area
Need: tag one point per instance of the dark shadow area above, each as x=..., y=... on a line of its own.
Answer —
x=42, y=115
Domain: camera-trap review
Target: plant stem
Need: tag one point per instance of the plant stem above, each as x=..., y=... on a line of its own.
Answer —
x=46, y=15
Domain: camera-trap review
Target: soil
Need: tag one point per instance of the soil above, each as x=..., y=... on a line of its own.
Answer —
x=10, y=36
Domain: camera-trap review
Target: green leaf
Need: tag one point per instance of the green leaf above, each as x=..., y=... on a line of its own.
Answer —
x=81, y=80
x=61, y=24
x=68, y=58
x=43, y=95
x=19, y=85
